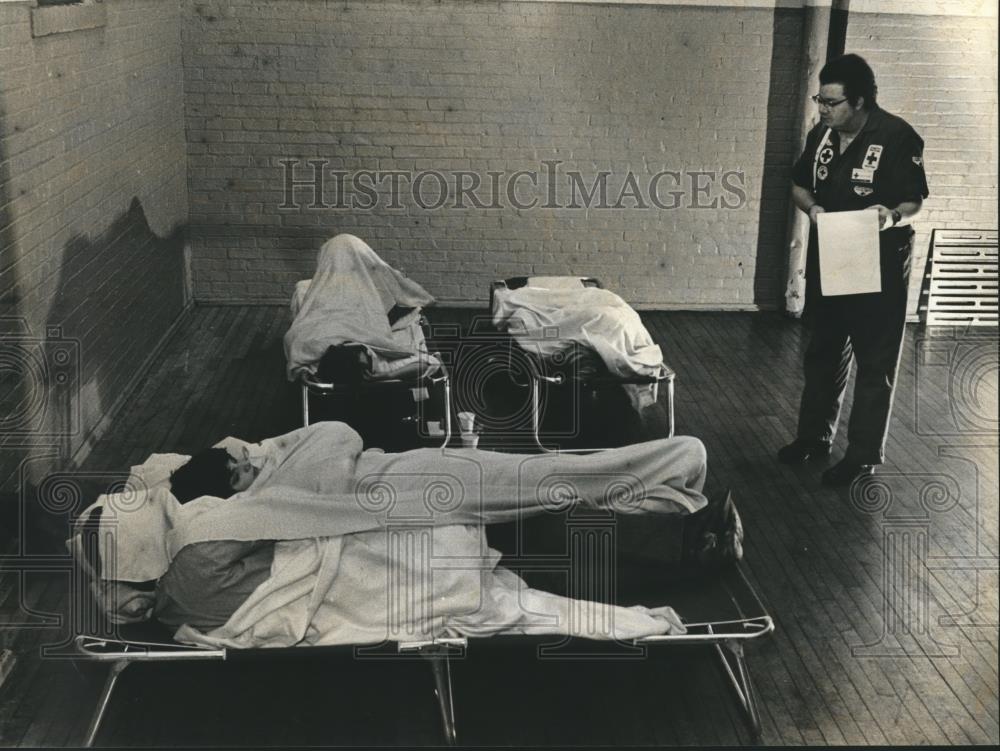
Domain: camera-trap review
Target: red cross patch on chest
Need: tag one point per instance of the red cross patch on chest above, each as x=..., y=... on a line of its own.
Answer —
x=872, y=156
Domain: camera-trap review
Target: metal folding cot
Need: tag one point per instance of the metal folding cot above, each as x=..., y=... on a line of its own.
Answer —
x=541, y=375
x=724, y=613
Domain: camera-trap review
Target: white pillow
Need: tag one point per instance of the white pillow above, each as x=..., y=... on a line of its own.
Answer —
x=555, y=282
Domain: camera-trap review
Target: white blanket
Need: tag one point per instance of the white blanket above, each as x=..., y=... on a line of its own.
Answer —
x=382, y=547
x=548, y=321
x=317, y=482
x=347, y=302
x=410, y=585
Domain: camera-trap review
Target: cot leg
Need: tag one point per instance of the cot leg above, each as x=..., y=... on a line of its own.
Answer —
x=670, y=407
x=536, y=413
x=102, y=702
x=305, y=405
x=731, y=654
x=447, y=411
x=441, y=667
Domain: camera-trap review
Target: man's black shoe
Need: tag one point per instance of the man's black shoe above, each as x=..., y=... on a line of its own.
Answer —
x=845, y=472
x=799, y=451
x=714, y=535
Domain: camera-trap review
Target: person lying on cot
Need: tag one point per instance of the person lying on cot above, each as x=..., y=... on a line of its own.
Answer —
x=317, y=482
x=662, y=476
x=667, y=476
x=357, y=317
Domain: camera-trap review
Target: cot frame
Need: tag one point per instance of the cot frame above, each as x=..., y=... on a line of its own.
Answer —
x=437, y=378
x=728, y=637
x=122, y=653
x=666, y=374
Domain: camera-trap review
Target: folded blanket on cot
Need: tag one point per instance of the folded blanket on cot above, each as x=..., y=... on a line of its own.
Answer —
x=550, y=321
x=347, y=302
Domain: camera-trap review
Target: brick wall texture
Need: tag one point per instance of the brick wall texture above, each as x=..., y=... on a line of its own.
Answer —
x=940, y=74
x=480, y=86
x=92, y=197
x=503, y=87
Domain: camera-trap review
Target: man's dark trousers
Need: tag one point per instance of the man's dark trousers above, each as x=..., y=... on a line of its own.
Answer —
x=871, y=328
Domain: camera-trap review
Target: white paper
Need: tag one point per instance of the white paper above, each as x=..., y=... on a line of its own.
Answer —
x=848, y=252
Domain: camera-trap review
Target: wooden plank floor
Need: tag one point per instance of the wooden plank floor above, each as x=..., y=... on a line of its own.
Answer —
x=885, y=599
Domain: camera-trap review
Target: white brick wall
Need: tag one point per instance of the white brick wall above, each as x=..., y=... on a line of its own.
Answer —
x=940, y=74
x=479, y=87
x=92, y=193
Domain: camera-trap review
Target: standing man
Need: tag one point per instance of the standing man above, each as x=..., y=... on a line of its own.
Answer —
x=858, y=157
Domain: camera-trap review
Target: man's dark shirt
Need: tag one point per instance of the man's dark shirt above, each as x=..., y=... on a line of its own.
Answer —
x=882, y=165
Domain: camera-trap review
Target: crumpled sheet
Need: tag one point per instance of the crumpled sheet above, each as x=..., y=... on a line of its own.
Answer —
x=551, y=321
x=406, y=585
x=347, y=302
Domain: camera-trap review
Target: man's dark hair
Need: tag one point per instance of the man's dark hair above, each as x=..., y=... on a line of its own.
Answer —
x=855, y=75
x=205, y=473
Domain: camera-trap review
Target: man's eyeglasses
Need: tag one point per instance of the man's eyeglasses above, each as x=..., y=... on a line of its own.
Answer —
x=828, y=103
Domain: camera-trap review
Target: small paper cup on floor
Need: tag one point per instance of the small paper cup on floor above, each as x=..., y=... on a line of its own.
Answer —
x=467, y=422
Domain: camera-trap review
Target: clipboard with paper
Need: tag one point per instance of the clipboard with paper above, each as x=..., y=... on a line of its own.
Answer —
x=848, y=252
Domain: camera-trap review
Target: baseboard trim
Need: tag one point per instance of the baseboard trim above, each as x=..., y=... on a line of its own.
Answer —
x=465, y=304
x=211, y=302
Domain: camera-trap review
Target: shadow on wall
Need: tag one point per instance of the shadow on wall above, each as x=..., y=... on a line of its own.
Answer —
x=13, y=398
x=115, y=297
x=779, y=155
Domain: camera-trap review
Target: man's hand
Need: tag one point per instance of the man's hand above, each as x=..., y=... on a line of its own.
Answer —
x=814, y=211
x=885, y=220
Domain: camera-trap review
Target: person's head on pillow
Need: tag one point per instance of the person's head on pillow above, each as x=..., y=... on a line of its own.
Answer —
x=213, y=472
x=122, y=602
